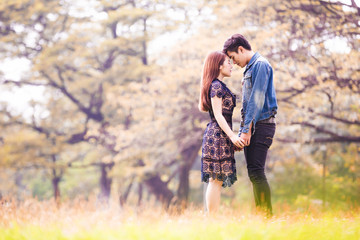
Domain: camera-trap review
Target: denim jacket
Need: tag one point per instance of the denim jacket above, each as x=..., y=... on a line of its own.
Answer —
x=259, y=97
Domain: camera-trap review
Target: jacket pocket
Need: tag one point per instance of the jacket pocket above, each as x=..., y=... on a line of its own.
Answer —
x=247, y=87
x=246, y=81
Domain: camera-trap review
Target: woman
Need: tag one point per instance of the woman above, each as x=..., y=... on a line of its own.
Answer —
x=217, y=160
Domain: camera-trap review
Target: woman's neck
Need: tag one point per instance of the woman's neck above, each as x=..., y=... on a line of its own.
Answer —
x=220, y=77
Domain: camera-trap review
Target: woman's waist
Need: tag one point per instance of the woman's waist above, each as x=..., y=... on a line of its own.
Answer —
x=228, y=120
x=214, y=123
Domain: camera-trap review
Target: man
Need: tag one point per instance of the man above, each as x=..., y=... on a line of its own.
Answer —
x=258, y=114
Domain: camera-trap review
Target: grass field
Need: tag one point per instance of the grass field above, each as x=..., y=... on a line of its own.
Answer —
x=80, y=219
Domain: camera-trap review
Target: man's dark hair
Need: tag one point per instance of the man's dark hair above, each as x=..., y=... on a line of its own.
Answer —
x=233, y=43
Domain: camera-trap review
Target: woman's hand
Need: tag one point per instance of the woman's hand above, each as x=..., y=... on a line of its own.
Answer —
x=237, y=149
x=237, y=141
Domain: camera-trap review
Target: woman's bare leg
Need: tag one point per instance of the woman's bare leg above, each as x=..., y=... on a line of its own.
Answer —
x=213, y=193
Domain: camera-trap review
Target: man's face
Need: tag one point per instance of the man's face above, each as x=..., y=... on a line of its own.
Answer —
x=238, y=58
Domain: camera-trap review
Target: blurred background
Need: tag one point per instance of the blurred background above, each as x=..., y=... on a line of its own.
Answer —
x=99, y=97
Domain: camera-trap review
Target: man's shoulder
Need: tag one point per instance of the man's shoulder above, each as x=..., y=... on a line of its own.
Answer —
x=262, y=62
x=262, y=59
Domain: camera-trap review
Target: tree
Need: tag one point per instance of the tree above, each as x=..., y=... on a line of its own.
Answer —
x=85, y=63
x=113, y=102
x=304, y=32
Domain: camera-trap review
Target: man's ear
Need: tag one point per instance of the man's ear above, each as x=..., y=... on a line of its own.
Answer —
x=240, y=49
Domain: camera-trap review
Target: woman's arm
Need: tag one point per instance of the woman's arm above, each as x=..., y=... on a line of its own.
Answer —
x=216, y=104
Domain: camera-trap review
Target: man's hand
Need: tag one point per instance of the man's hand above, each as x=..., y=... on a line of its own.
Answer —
x=246, y=138
x=237, y=141
x=237, y=149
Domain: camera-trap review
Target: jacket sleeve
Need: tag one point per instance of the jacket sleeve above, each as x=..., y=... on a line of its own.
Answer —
x=260, y=82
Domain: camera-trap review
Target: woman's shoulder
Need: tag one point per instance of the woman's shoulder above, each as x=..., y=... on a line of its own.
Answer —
x=217, y=83
x=216, y=89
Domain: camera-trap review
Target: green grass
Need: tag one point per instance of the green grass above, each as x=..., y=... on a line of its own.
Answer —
x=195, y=229
x=82, y=220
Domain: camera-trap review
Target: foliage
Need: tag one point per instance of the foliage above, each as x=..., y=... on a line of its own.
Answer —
x=121, y=108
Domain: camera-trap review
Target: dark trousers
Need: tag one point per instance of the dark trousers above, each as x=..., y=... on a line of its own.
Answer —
x=255, y=155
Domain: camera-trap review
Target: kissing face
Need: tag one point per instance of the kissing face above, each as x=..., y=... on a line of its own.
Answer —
x=238, y=58
x=226, y=67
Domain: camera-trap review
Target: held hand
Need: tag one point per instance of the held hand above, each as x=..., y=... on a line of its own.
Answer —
x=238, y=142
x=245, y=137
x=237, y=149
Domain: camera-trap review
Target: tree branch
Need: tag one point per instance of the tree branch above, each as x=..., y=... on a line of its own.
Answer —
x=21, y=83
x=97, y=116
x=334, y=136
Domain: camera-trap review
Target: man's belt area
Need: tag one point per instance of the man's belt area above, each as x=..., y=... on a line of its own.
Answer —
x=268, y=120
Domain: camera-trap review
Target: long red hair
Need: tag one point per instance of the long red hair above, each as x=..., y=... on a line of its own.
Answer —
x=210, y=71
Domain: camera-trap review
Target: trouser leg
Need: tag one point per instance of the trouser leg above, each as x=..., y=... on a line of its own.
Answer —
x=255, y=155
x=262, y=194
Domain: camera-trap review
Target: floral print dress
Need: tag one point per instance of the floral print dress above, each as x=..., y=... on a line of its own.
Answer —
x=217, y=159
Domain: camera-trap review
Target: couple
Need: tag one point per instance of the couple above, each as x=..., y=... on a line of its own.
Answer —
x=257, y=129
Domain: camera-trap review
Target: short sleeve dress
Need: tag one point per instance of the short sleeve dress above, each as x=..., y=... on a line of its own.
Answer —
x=217, y=158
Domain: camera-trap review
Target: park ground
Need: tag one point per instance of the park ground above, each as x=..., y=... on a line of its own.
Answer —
x=80, y=219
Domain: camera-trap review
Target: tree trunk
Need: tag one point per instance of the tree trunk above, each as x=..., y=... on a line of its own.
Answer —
x=144, y=46
x=140, y=194
x=56, y=189
x=159, y=188
x=105, y=182
x=188, y=158
x=56, y=177
x=123, y=197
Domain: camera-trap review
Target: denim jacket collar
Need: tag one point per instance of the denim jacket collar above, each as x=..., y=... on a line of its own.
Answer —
x=252, y=60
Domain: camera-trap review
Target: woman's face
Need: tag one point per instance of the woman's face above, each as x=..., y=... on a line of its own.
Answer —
x=225, y=68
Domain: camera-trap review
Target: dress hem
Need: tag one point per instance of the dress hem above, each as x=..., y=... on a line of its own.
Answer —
x=228, y=180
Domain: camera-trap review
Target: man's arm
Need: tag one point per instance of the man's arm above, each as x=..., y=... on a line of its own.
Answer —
x=246, y=136
x=260, y=80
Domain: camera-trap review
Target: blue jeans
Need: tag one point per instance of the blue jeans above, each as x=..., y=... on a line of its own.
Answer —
x=255, y=155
